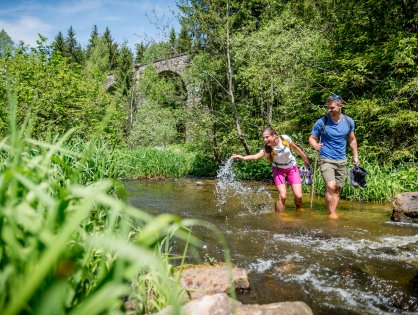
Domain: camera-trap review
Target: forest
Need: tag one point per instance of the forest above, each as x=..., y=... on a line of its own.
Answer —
x=68, y=135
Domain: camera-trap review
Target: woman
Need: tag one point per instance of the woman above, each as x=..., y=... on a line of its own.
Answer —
x=277, y=151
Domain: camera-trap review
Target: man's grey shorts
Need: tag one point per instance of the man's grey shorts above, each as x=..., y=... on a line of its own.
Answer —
x=333, y=170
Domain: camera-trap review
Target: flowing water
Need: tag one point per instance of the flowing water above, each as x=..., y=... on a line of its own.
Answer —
x=360, y=264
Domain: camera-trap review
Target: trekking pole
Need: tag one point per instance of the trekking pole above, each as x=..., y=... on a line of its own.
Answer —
x=313, y=180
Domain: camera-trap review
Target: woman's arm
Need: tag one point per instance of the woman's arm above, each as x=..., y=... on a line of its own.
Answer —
x=301, y=153
x=252, y=157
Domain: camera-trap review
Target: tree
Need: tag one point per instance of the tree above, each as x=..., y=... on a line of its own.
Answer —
x=74, y=51
x=184, y=42
x=112, y=48
x=56, y=95
x=59, y=45
x=156, y=51
x=212, y=23
x=124, y=73
x=92, y=40
x=139, y=55
x=173, y=41
x=97, y=62
x=6, y=43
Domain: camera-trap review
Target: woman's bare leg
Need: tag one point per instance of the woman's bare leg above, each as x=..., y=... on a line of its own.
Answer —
x=280, y=204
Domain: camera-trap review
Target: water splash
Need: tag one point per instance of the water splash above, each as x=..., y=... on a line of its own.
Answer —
x=233, y=196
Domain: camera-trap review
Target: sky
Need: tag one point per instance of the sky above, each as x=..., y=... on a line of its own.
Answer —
x=130, y=21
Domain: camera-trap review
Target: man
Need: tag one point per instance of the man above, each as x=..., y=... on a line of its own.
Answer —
x=329, y=137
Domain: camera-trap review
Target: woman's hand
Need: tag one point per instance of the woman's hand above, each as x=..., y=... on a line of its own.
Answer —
x=237, y=156
x=306, y=162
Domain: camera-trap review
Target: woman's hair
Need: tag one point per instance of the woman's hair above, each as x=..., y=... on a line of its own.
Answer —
x=267, y=149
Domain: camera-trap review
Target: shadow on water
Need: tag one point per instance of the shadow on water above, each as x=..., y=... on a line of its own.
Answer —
x=360, y=264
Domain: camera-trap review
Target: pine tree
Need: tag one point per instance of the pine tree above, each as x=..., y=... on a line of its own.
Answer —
x=140, y=49
x=59, y=45
x=184, y=42
x=125, y=69
x=173, y=41
x=74, y=51
x=112, y=47
x=93, y=38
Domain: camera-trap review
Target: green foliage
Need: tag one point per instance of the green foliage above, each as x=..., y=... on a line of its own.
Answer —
x=72, y=48
x=139, y=53
x=94, y=36
x=156, y=51
x=203, y=165
x=289, y=56
x=55, y=94
x=184, y=42
x=125, y=69
x=112, y=47
x=160, y=116
x=97, y=62
x=172, y=39
x=6, y=43
x=157, y=162
x=155, y=126
x=72, y=248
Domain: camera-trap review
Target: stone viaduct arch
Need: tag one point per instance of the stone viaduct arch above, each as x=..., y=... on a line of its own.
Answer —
x=176, y=64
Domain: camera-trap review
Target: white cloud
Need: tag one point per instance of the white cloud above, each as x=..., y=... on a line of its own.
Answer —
x=27, y=29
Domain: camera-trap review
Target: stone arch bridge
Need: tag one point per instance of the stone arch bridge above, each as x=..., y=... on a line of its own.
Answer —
x=176, y=64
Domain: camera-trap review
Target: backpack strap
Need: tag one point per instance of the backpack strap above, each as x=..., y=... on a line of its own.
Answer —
x=348, y=122
x=325, y=122
x=284, y=141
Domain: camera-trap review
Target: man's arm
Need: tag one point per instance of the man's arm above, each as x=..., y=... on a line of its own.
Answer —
x=314, y=144
x=352, y=141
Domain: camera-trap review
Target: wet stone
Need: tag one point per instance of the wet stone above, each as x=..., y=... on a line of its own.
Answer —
x=222, y=304
x=405, y=207
x=200, y=280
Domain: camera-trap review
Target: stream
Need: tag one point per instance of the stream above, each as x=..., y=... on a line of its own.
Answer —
x=361, y=263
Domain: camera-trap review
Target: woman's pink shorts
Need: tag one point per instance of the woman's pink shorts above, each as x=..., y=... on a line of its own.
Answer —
x=280, y=174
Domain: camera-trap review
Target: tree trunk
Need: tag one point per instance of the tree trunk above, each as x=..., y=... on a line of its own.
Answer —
x=241, y=136
x=269, y=107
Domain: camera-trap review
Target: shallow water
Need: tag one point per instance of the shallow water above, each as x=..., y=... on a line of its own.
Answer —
x=360, y=264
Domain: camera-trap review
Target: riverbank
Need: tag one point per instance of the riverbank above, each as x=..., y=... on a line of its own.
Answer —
x=384, y=181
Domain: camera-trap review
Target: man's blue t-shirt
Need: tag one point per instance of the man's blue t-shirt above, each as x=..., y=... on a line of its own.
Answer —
x=334, y=138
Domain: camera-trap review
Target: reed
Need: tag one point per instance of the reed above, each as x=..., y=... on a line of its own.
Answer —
x=383, y=183
x=147, y=162
x=384, y=180
x=67, y=245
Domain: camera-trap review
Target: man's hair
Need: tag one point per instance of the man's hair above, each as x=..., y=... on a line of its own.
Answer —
x=334, y=99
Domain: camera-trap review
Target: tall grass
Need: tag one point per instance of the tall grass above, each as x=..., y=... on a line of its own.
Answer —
x=167, y=162
x=69, y=246
x=384, y=180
